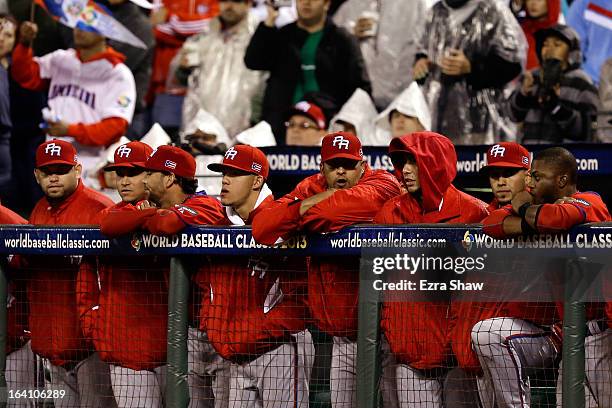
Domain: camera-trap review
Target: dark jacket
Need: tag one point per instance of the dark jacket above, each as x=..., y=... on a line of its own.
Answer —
x=340, y=67
x=568, y=117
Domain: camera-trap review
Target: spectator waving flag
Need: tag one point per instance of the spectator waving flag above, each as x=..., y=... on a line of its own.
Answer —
x=87, y=15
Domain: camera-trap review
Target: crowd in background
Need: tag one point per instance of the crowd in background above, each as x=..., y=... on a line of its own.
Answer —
x=215, y=73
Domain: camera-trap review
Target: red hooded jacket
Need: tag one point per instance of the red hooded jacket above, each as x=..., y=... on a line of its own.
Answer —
x=54, y=289
x=530, y=26
x=333, y=282
x=419, y=332
x=255, y=303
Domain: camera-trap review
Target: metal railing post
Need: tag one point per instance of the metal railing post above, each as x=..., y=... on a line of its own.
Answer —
x=574, y=332
x=3, y=332
x=368, y=340
x=177, y=389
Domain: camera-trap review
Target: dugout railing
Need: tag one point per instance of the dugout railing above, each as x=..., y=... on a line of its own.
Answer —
x=76, y=241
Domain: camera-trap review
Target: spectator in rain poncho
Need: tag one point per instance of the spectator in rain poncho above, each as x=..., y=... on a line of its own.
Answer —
x=470, y=50
x=408, y=113
x=387, y=46
x=357, y=117
x=219, y=82
x=207, y=140
x=604, y=122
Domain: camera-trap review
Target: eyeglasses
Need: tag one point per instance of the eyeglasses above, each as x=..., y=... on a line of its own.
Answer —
x=302, y=125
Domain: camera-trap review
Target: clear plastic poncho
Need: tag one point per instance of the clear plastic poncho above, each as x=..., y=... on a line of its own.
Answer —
x=221, y=84
x=389, y=55
x=482, y=28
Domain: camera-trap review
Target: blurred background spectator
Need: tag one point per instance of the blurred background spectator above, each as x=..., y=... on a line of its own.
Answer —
x=173, y=22
x=604, y=120
x=310, y=55
x=212, y=67
x=469, y=51
x=357, y=117
x=538, y=14
x=306, y=125
x=387, y=46
x=8, y=31
x=558, y=102
x=591, y=20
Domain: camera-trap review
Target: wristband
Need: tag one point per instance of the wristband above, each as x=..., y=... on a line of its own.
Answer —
x=526, y=228
x=523, y=210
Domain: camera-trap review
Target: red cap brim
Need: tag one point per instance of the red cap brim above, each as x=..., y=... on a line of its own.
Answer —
x=113, y=166
x=343, y=156
x=503, y=164
x=218, y=168
x=50, y=162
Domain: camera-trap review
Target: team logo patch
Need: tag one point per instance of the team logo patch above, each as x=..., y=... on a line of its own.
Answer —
x=74, y=8
x=231, y=153
x=53, y=150
x=497, y=150
x=170, y=164
x=89, y=16
x=341, y=143
x=468, y=240
x=257, y=167
x=184, y=209
x=124, y=151
x=525, y=160
x=135, y=242
x=124, y=101
x=583, y=202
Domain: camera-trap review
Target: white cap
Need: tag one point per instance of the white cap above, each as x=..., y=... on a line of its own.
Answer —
x=259, y=135
x=207, y=123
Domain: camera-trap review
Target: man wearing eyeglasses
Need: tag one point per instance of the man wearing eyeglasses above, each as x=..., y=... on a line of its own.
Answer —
x=346, y=192
x=54, y=321
x=305, y=125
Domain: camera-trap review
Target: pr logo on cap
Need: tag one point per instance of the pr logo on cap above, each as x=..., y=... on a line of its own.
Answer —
x=124, y=151
x=497, y=151
x=53, y=149
x=341, y=143
x=231, y=153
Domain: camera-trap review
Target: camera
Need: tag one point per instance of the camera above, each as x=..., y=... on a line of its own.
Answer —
x=551, y=74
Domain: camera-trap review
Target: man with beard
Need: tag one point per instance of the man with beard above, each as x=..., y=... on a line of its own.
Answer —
x=551, y=204
x=346, y=192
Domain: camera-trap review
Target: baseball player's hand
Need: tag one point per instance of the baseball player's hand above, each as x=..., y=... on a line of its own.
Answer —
x=520, y=199
x=27, y=32
x=145, y=204
x=455, y=63
x=59, y=128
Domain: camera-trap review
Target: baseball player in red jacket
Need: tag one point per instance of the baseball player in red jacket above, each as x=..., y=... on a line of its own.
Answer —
x=128, y=322
x=52, y=285
x=256, y=313
x=551, y=204
x=19, y=357
x=419, y=332
x=172, y=204
x=346, y=192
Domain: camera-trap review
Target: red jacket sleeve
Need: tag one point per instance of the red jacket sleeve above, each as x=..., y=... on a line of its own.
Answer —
x=25, y=71
x=199, y=210
x=87, y=293
x=559, y=217
x=493, y=224
x=123, y=221
x=103, y=133
x=356, y=205
x=281, y=219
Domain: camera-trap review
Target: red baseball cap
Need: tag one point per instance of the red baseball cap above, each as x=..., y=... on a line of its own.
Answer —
x=56, y=151
x=246, y=158
x=310, y=110
x=341, y=145
x=173, y=160
x=507, y=154
x=132, y=154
